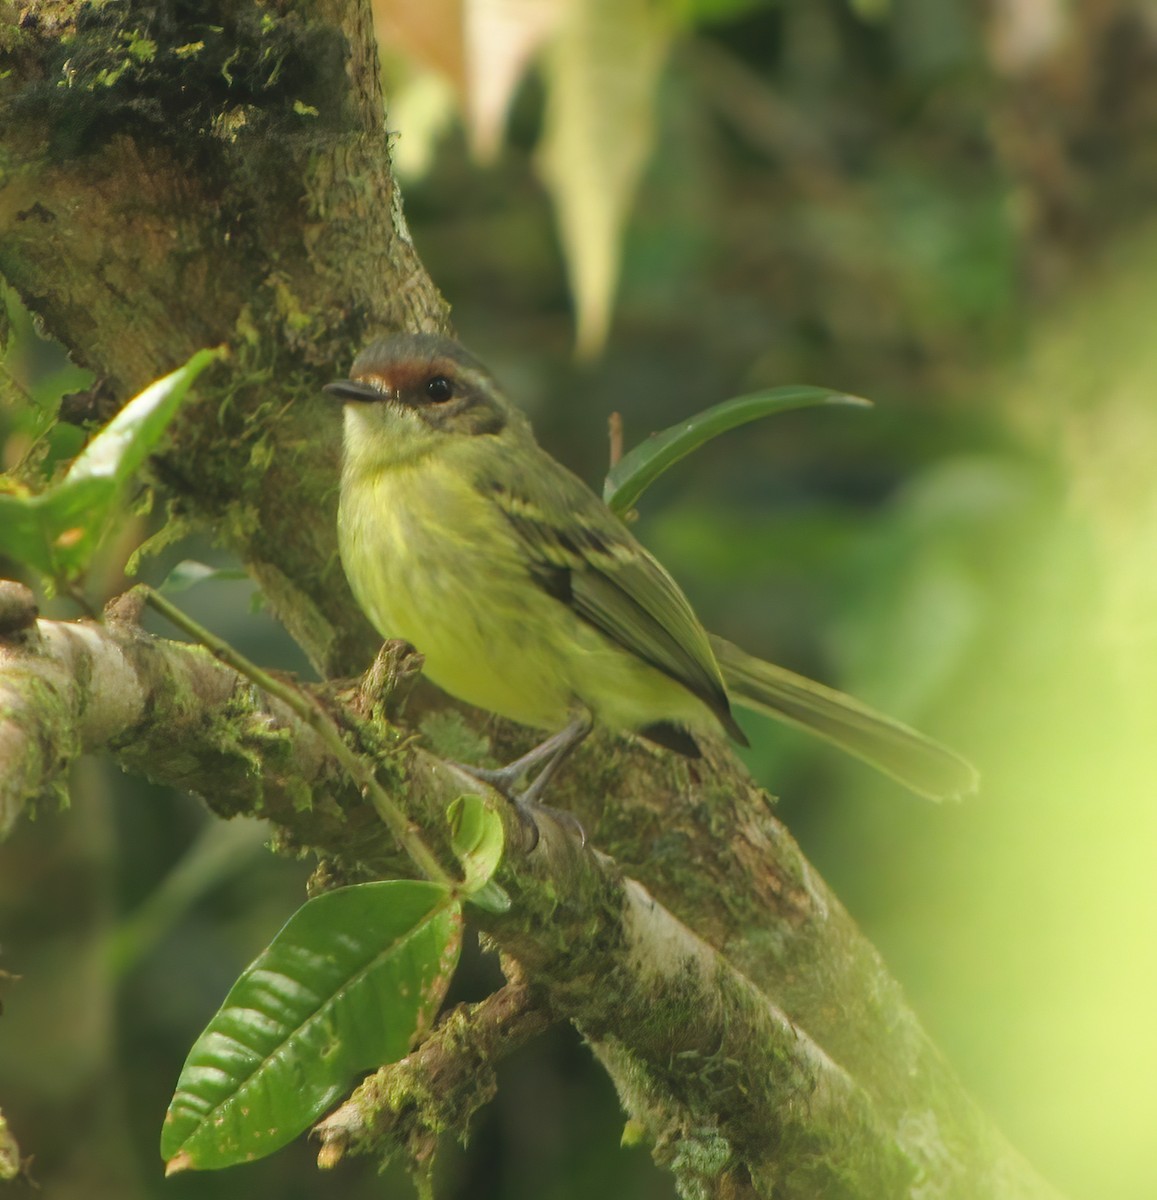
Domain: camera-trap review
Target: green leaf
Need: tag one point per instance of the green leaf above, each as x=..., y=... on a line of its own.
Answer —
x=630, y=477
x=35, y=375
x=354, y=977
x=477, y=837
x=117, y=452
x=21, y=534
x=58, y=530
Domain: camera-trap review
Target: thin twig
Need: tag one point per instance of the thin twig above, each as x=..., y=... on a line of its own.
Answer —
x=310, y=710
x=441, y=1085
x=74, y=592
x=615, y=432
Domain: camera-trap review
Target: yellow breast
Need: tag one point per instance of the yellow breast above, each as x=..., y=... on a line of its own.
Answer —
x=432, y=561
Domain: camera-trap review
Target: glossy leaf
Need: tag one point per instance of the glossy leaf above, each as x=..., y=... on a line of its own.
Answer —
x=354, y=977
x=58, y=530
x=477, y=836
x=630, y=477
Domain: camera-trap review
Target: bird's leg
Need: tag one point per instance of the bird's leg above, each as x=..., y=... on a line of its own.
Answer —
x=551, y=754
x=503, y=779
x=561, y=744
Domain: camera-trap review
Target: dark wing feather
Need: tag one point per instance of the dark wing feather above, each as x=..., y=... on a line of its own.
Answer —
x=596, y=567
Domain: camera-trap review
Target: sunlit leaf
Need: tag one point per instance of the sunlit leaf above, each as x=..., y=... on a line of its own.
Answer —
x=421, y=45
x=354, y=977
x=638, y=469
x=501, y=39
x=116, y=453
x=54, y=531
x=477, y=837
x=602, y=71
x=58, y=530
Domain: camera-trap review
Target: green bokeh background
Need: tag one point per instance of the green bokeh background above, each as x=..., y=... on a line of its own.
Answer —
x=894, y=204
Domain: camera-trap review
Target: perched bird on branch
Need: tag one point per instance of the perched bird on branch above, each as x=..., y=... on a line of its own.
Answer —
x=530, y=598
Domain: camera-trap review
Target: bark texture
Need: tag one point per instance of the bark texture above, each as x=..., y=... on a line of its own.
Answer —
x=734, y=1092
x=171, y=180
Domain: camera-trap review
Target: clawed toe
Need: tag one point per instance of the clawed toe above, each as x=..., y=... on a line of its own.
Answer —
x=525, y=804
x=548, y=756
x=530, y=831
x=528, y=811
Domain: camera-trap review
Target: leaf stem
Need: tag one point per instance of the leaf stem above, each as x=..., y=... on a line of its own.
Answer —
x=310, y=710
x=615, y=437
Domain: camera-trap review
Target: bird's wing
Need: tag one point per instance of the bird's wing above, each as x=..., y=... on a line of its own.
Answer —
x=595, y=566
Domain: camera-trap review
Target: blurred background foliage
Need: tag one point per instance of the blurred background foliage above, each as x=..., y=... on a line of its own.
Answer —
x=945, y=206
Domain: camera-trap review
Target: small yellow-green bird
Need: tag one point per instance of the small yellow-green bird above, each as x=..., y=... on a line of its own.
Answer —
x=530, y=598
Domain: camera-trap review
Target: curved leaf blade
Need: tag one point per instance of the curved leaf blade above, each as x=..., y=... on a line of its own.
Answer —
x=478, y=838
x=58, y=530
x=348, y=983
x=630, y=477
x=84, y=498
x=22, y=533
x=117, y=452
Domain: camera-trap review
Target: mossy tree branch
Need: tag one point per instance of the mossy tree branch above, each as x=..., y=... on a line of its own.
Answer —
x=167, y=185
x=441, y=1085
x=729, y=1085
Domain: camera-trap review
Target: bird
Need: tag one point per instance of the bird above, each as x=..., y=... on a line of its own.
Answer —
x=528, y=597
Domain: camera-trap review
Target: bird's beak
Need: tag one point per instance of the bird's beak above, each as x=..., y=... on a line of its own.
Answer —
x=350, y=389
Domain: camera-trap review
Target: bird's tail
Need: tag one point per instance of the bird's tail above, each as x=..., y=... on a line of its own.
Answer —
x=924, y=766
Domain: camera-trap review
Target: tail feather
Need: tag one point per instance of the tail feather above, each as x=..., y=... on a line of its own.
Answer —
x=917, y=762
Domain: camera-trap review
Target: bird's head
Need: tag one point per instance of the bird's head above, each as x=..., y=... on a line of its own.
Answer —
x=409, y=392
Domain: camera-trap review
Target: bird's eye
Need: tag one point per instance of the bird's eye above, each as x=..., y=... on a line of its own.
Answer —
x=439, y=388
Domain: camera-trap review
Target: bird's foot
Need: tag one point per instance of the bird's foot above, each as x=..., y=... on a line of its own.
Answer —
x=503, y=779
x=548, y=756
x=528, y=811
x=525, y=803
